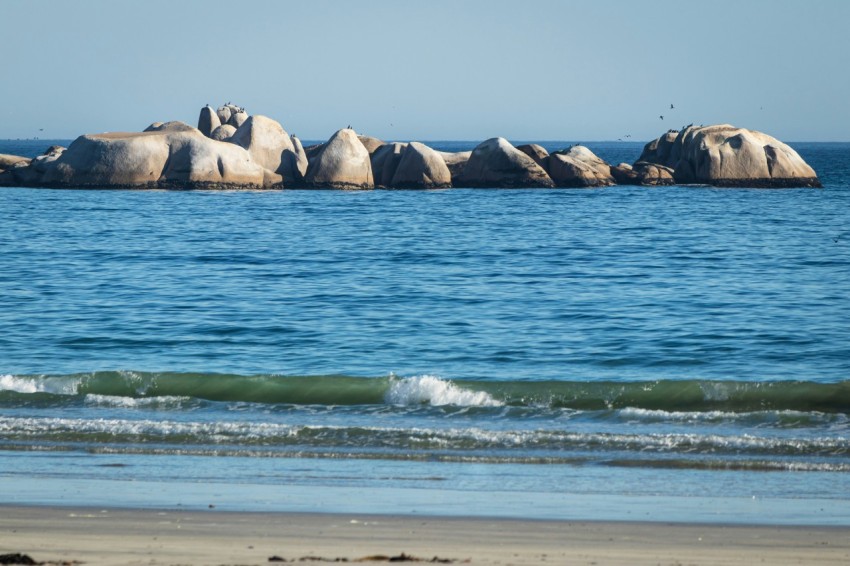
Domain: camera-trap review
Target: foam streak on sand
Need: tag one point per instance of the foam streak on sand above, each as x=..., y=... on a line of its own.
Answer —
x=214, y=537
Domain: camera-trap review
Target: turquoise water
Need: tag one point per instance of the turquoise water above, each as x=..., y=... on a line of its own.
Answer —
x=676, y=353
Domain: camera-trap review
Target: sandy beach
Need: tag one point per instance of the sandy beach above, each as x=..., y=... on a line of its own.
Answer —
x=112, y=536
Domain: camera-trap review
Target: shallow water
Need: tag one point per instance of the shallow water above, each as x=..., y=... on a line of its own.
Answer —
x=619, y=353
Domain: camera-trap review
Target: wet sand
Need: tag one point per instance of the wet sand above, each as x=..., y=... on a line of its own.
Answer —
x=117, y=537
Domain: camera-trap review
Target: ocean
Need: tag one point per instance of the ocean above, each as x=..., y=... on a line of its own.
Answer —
x=627, y=353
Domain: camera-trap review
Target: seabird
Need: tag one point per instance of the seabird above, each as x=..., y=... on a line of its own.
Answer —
x=671, y=107
x=662, y=116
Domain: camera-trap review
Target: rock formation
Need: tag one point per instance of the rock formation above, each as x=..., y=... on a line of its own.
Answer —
x=296, y=161
x=259, y=153
x=342, y=163
x=237, y=119
x=157, y=159
x=223, y=132
x=579, y=167
x=421, y=167
x=7, y=161
x=266, y=141
x=385, y=161
x=538, y=153
x=208, y=121
x=456, y=162
x=495, y=163
x=370, y=143
x=726, y=156
x=173, y=126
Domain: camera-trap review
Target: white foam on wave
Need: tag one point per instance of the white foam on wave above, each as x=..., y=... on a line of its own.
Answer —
x=31, y=384
x=431, y=390
x=134, y=402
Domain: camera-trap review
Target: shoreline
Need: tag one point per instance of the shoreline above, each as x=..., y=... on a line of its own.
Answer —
x=94, y=535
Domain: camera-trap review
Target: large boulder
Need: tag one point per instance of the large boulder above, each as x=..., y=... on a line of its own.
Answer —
x=538, y=153
x=296, y=161
x=158, y=159
x=659, y=150
x=385, y=161
x=224, y=113
x=725, y=156
x=223, y=132
x=495, y=163
x=421, y=167
x=456, y=162
x=624, y=174
x=342, y=163
x=266, y=141
x=7, y=161
x=208, y=120
x=238, y=118
x=173, y=126
x=579, y=167
x=653, y=174
x=370, y=143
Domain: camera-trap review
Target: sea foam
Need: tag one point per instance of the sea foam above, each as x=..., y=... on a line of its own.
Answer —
x=431, y=390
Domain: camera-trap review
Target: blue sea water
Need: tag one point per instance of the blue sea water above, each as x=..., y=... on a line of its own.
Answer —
x=677, y=353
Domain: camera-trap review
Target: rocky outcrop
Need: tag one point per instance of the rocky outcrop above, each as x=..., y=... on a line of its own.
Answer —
x=421, y=167
x=726, y=156
x=624, y=174
x=157, y=159
x=370, y=143
x=237, y=119
x=385, y=161
x=7, y=161
x=538, y=153
x=296, y=161
x=456, y=162
x=342, y=163
x=654, y=175
x=266, y=141
x=495, y=163
x=579, y=167
x=173, y=126
x=223, y=132
x=208, y=121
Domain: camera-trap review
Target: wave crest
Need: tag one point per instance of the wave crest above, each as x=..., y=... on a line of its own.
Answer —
x=431, y=390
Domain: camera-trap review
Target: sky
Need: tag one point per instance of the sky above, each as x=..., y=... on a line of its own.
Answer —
x=430, y=70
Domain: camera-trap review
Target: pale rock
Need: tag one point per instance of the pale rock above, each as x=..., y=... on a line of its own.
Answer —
x=385, y=161
x=537, y=152
x=224, y=114
x=7, y=161
x=421, y=167
x=296, y=161
x=237, y=119
x=266, y=141
x=495, y=163
x=208, y=121
x=725, y=156
x=370, y=143
x=456, y=162
x=159, y=159
x=579, y=167
x=342, y=163
x=653, y=174
x=173, y=126
x=223, y=132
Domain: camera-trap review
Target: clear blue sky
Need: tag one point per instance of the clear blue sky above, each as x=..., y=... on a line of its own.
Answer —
x=428, y=70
